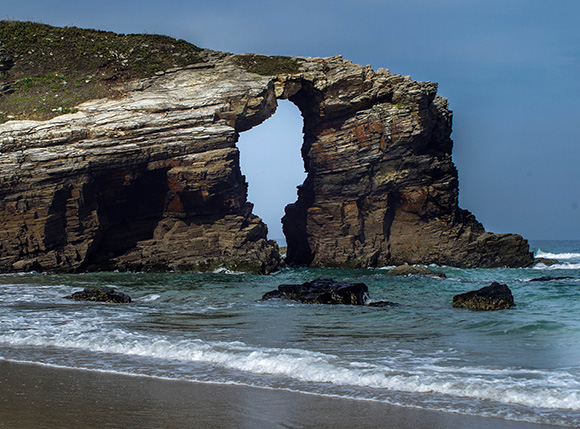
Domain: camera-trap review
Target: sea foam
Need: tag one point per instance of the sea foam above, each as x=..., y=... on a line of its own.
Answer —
x=564, y=266
x=558, y=256
x=533, y=388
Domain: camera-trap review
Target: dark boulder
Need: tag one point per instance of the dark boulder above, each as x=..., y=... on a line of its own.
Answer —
x=322, y=291
x=100, y=294
x=494, y=297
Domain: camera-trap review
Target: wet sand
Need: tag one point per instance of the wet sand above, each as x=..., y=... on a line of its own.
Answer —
x=35, y=396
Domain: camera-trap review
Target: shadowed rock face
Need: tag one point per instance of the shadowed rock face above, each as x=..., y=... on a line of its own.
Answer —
x=382, y=188
x=152, y=181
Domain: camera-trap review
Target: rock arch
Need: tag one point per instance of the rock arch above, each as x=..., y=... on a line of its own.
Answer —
x=381, y=185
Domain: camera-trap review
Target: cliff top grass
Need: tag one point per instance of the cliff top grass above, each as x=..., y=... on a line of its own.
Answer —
x=267, y=65
x=46, y=71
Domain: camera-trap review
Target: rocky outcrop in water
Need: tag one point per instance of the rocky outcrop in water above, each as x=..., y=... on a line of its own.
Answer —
x=327, y=291
x=322, y=291
x=100, y=294
x=545, y=261
x=493, y=297
x=150, y=179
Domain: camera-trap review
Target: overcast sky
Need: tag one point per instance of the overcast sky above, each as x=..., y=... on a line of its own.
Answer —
x=510, y=68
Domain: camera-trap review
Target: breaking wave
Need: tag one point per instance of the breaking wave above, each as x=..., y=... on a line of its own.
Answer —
x=527, y=387
x=557, y=256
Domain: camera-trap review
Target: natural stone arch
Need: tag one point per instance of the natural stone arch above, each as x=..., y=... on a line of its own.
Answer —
x=381, y=185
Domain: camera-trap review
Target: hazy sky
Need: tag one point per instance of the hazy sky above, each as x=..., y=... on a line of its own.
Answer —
x=510, y=68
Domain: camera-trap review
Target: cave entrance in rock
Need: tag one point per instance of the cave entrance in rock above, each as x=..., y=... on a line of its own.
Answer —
x=271, y=160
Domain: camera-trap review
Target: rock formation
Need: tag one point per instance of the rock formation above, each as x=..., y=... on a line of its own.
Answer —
x=100, y=294
x=322, y=291
x=382, y=188
x=150, y=178
x=493, y=297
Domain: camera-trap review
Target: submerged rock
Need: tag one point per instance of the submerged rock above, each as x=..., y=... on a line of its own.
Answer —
x=100, y=294
x=493, y=297
x=405, y=270
x=549, y=279
x=322, y=291
x=383, y=304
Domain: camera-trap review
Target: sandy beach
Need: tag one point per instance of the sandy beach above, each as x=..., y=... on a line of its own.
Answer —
x=35, y=396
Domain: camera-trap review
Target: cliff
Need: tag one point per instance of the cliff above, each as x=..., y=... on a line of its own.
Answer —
x=145, y=174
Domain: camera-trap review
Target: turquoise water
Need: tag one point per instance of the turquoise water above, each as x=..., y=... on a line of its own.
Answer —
x=518, y=364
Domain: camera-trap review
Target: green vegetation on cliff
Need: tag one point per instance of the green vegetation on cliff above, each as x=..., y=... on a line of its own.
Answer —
x=267, y=66
x=45, y=71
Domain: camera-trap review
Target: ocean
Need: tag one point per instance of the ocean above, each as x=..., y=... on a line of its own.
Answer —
x=519, y=364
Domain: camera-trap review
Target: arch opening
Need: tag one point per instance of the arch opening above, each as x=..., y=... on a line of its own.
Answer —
x=271, y=160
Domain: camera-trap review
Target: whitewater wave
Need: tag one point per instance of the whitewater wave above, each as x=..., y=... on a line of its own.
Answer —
x=564, y=266
x=533, y=388
x=557, y=256
x=149, y=298
x=223, y=270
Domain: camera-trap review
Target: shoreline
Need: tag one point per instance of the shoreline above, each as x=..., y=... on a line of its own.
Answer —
x=36, y=395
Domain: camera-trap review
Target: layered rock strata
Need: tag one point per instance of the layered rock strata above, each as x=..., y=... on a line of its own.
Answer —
x=152, y=180
x=382, y=188
x=149, y=181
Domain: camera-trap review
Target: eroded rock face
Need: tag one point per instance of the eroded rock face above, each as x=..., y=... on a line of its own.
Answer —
x=381, y=187
x=152, y=180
